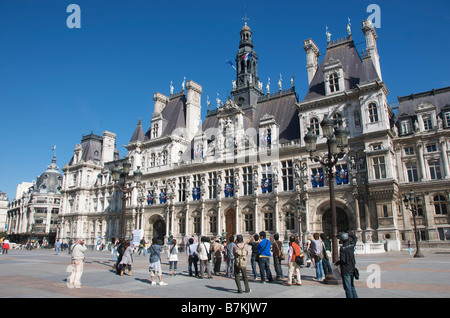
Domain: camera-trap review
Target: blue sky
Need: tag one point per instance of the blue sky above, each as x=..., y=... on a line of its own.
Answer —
x=57, y=83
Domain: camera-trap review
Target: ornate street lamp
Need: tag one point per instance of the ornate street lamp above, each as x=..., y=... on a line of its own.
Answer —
x=125, y=189
x=337, y=141
x=410, y=205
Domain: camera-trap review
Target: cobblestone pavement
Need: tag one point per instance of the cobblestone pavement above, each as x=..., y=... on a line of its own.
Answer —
x=42, y=274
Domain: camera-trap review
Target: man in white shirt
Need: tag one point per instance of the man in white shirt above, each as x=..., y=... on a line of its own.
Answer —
x=77, y=251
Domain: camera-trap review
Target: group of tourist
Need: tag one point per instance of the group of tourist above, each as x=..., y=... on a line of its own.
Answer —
x=209, y=252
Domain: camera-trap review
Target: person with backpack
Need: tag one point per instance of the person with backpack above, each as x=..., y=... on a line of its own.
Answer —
x=263, y=258
x=317, y=253
x=204, y=256
x=293, y=262
x=240, y=251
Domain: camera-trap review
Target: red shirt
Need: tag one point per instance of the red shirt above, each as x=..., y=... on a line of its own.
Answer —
x=296, y=251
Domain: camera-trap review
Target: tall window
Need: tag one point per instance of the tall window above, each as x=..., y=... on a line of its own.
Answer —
x=181, y=189
x=373, y=113
x=197, y=223
x=268, y=221
x=287, y=175
x=247, y=183
x=164, y=157
x=405, y=127
x=411, y=169
x=212, y=185
x=427, y=123
x=213, y=224
x=155, y=130
x=379, y=167
x=182, y=225
x=440, y=204
x=152, y=160
x=248, y=222
x=447, y=120
x=333, y=82
x=229, y=176
x=435, y=170
x=314, y=125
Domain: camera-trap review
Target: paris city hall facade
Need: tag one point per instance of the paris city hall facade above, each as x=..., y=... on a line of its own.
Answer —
x=245, y=167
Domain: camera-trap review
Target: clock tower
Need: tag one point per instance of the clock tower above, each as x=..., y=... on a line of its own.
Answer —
x=247, y=87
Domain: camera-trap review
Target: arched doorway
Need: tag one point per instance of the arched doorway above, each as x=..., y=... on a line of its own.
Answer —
x=341, y=218
x=159, y=230
x=230, y=223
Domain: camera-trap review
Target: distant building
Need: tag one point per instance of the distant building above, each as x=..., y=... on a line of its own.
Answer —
x=3, y=211
x=33, y=214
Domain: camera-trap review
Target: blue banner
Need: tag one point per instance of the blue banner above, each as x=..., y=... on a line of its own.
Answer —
x=229, y=190
x=266, y=185
x=317, y=180
x=196, y=193
x=162, y=197
x=342, y=176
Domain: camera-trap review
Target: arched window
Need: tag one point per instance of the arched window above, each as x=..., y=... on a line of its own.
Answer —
x=337, y=118
x=152, y=160
x=164, y=157
x=314, y=125
x=333, y=82
x=373, y=113
x=440, y=204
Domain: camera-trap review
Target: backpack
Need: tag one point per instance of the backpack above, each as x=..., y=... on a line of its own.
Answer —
x=316, y=248
x=241, y=257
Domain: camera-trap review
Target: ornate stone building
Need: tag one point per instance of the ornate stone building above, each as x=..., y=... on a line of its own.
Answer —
x=34, y=213
x=244, y=168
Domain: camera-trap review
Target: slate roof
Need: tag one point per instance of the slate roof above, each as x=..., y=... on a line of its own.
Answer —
x=282, y=108
x=92, y=149
x=440, y=98
x=138, y=134
x=173, y=114
x=356, y=70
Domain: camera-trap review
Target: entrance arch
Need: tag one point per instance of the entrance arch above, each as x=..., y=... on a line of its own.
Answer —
x=156, y=227
x=342, y=222
x=230, y=223
x=159, y=229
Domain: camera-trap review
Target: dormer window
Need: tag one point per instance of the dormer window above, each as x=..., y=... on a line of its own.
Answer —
x=314, y=126
x=333, y=77
x=447, y=120
x=405, y=127
x=155, y=131
x=333, y=82
x=427, y=123
x=373, y=113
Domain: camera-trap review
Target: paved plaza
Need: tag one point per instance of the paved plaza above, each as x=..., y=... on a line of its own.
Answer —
x=42, y=274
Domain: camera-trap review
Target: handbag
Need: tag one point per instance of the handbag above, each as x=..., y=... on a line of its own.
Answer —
x=299, y=258
x=356, y=273
x=281, y=254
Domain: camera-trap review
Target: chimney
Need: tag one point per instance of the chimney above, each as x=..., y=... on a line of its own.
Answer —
x=312, y=58
x=193, y=108
x=108, y=146
x=371, y=44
